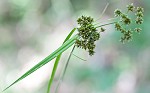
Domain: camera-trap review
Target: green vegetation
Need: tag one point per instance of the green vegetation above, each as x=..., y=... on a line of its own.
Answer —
x=86, y=37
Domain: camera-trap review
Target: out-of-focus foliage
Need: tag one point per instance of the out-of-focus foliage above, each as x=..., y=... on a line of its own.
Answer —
x=32, y=29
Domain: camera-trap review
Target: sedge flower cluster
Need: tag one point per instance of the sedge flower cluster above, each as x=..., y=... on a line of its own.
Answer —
x=124, y=21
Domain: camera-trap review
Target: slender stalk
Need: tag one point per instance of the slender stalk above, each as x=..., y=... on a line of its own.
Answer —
x=105, y=20
x=56, y=63
x=79, y=57
x=103, y=12
x=64, y=71
x=106, y=24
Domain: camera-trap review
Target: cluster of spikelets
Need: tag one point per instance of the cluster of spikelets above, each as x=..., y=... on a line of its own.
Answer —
x=124, y=21
x=88, y=32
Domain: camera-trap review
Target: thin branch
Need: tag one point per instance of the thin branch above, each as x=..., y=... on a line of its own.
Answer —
x=79, y=57
x=106, y=24
x=103, y=12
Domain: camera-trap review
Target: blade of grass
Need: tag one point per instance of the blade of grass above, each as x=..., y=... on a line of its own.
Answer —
x=64, y=71
x=69, y=35
x=56, y=63
x=61, y=49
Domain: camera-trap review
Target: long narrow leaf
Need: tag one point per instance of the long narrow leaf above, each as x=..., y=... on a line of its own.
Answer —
x=69, y=35
x=56, y=63
x=64, y=71
x=61, y=49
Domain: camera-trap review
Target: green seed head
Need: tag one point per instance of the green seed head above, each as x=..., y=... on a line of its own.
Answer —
x=88, y=34
x=125, y=21
x=117, y=12
x=130, y=7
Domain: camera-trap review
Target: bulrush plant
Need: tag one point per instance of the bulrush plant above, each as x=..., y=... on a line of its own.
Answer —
x=88, y=33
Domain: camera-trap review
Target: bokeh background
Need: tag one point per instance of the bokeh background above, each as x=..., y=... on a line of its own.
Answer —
x=32, y=29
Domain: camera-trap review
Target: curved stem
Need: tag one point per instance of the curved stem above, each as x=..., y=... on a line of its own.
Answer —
x=102, y=12
x=64, y=71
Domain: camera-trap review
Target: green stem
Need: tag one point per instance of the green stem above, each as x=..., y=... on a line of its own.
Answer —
x=79, y=57
x=64, y=71
x=56, y=63
x=106, y=24
x=53, y=73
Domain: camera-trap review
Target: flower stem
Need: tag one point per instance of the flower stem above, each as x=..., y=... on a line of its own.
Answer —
x=106, y=24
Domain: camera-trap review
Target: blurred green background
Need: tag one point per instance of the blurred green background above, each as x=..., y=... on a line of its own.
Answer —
x=32, y=29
